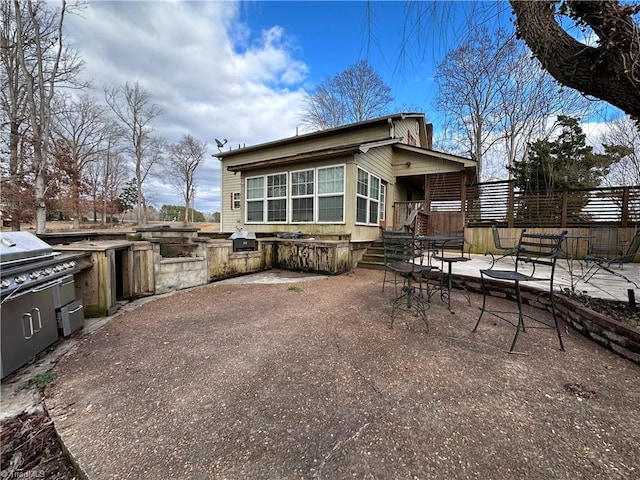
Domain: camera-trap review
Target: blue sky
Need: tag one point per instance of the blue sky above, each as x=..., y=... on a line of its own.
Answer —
x=242, y=70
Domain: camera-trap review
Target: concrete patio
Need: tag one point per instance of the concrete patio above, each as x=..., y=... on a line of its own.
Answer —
x=262, y=379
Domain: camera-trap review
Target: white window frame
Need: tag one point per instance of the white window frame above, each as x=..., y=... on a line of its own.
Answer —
x=248, y=199
x=382, y=214
x=316, y=196
x=236, y=201
x=369, y=198
x=302, y=196
x=319, y=195
x=271, y=198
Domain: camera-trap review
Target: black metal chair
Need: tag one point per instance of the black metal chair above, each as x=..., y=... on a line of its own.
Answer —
x=392, y=255
x=449, y=249
x=402, y=248
x=540, y=252
x=504, y=250
x=601, y=263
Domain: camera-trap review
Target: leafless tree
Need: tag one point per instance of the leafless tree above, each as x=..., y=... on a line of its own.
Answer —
x=35, y=62
x=79, y=129
x=132, y=106
x=627, y=171
x=609, y=70
x=356, y=94
x=530, y=98
x=469, y=80
x=107, y=173
x=182, y=161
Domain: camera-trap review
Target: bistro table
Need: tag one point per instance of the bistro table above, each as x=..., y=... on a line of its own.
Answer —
x=438, y=243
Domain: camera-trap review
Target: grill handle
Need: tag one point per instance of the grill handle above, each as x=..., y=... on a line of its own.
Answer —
x=30, y=318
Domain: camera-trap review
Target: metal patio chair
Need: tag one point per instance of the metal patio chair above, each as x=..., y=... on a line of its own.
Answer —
x=540, y=252
x=504, y=250
x=402, y=250
x=601, y=263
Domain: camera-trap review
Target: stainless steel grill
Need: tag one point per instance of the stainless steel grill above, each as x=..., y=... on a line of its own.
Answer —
x=35, y=281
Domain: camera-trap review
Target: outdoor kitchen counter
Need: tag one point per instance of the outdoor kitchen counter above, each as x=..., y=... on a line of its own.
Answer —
x=111, y=276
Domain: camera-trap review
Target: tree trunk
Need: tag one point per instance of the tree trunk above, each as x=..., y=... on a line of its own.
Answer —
x=609, y=72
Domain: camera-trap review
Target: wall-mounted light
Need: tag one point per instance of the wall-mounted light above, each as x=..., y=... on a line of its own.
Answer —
x=408, y=164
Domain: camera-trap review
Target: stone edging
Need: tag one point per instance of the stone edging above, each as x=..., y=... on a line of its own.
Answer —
x=611, y=334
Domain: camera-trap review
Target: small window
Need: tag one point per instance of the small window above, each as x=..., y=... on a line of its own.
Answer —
x=235, y=201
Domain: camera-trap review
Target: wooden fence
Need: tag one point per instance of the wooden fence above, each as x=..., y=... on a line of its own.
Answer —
x=501, y=203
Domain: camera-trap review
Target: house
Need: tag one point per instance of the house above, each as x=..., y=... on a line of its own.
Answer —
x=351, y=181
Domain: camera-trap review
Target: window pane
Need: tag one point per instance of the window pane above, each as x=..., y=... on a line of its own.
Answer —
x=277, y=185
x=330, y=180
x=302, y=183
x=255, y=211
x=373, y=211
x=302, y=210
x=375, y=188
x=363, y=182
x=383, y=193
x=361, y=210
x=330, y=209
x=277, y=210
x=255, y=187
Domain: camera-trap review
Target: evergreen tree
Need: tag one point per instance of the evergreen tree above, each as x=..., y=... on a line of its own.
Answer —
x=554, y=166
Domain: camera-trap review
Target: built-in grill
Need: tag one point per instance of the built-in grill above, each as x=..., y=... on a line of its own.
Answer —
x=243, y=241
x=36, y=284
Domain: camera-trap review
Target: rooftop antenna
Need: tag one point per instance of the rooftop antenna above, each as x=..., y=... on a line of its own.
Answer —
x=220, y=144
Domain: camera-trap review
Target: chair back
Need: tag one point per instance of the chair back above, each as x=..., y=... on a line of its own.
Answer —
x=539, y=248
x=452, y=247
x=496, y=239
x=633, y=248
x=398, y=246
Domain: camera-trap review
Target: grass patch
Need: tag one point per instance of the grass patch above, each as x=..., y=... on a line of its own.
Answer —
x=41, y=380
x=294, y=289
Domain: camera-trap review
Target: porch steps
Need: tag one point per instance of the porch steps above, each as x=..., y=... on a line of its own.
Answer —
x=374, y=256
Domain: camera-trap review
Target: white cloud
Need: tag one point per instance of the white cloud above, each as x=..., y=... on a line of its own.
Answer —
x=212, y=76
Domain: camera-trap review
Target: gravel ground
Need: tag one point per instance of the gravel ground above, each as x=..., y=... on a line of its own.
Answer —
x=307, y=381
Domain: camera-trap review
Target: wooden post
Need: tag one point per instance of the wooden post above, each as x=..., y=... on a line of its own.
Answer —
x=565, y=209
x=510, y=205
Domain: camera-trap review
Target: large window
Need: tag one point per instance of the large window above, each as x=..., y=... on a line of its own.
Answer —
x=255, y=199
x=304, y=196
x=331, y=194
x=367, y=198
x=277, y=198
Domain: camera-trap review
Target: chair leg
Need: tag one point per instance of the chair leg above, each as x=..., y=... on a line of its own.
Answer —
x=555, y=318
x=520, y=317
x=409, y=301
x=484, y=301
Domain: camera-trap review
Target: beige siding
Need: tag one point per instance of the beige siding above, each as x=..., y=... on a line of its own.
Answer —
x=408, y=125
x=230, y=183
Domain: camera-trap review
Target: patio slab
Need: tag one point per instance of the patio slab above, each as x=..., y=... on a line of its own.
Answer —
x=305, y=380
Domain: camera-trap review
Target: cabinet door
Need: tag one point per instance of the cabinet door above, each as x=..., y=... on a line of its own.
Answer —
x=44, y=317
x=17, y=334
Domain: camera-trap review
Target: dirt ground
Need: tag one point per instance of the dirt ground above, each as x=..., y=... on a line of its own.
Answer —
x=308, y=381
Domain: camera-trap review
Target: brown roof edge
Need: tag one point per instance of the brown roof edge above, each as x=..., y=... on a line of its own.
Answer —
x=318, y=134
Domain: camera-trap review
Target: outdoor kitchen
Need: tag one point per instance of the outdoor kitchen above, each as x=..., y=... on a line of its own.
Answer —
x=49, y=288
x=39, y=297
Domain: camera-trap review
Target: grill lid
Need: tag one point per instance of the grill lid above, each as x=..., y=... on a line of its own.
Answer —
x=21, y=245
x=244, y=235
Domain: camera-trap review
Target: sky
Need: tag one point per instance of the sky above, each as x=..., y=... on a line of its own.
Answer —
x=241, y=70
